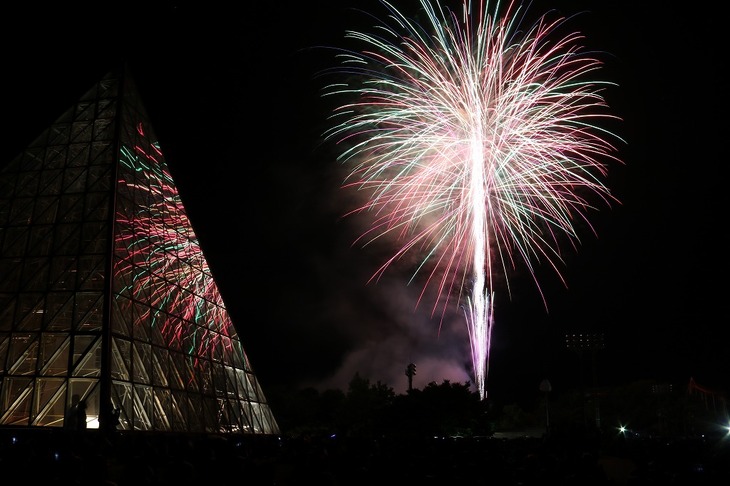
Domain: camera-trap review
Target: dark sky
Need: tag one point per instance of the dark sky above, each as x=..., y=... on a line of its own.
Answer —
x=233, y=96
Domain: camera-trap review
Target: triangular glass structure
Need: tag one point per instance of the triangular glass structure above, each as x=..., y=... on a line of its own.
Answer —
x=105, y=294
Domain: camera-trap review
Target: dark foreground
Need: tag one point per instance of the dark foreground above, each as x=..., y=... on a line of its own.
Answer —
x=91, y=458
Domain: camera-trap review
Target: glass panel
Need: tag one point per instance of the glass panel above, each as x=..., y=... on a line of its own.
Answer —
x=54, y=354
x=23, y=354
x=50, y=407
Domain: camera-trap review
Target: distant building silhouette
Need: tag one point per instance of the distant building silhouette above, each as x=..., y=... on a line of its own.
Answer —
x=105, y=292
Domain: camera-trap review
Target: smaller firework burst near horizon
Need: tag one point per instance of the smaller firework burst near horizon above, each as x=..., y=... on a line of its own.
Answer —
x=477, y=143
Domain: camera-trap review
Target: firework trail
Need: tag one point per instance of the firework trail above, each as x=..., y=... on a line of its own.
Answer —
x=477, y=145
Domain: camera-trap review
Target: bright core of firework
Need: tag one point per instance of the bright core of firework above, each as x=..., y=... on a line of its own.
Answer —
x=477, y=144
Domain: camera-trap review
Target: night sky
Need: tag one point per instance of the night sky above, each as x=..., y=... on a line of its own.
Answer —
x=234, y=98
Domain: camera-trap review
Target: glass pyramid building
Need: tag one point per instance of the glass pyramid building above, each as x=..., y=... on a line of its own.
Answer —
x=105, y=294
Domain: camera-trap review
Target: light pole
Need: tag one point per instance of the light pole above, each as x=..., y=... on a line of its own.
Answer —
x=410, y=372
x=581, y=342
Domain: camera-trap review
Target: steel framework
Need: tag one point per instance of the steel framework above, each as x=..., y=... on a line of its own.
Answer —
x=105, y=293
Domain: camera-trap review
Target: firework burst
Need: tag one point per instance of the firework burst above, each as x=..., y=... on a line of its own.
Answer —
x=478, y=146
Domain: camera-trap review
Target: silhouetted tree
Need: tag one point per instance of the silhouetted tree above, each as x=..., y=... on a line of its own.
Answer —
x=365, y=408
